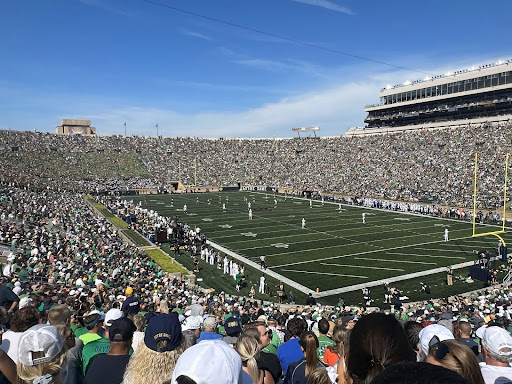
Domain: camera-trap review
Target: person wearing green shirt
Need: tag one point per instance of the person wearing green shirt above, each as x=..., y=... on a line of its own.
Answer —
x=323, y=341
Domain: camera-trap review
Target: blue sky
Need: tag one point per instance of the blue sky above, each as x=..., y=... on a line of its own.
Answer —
x=168, y=62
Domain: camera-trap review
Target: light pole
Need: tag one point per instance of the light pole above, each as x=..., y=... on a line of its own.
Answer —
x=157, y=130
x=125, y=128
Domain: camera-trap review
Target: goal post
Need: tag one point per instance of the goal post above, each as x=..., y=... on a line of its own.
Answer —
x=493, y=233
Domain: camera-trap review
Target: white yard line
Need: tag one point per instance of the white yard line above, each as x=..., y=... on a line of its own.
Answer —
x=362, y=266
x=417, y=254
x=394, y=261
x=326, y=273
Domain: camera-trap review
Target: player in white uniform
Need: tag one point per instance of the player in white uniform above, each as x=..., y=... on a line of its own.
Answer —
x=224, y=207
x=339, y=206
x=303, y=223
x=310, y=203
x=250, y=214
x=249, y=204
x=446, y=234
x=261, y=288
x=185, y=209
x=364, y=218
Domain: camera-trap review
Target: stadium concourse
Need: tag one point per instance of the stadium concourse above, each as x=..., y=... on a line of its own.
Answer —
x=68, y=267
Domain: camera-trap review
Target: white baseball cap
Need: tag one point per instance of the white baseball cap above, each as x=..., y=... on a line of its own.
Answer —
x=427, y=333
x=497, y=340
x=111, y=315
x=209, y=362
x=39, y=338
x=191, y=322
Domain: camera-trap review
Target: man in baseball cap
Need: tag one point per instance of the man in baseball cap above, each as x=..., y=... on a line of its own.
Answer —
x=497, y=352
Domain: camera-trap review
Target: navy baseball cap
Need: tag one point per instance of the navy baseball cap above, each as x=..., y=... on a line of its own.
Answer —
x=163, y=327
x=121, y=329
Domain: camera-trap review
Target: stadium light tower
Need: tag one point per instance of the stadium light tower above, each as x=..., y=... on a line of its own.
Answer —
x=125, y=129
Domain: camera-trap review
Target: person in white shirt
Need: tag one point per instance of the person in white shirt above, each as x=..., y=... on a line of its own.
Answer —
x=364, y=218
x=497, y=352
x=303, y=223
x=250, y=214
x=446, y=234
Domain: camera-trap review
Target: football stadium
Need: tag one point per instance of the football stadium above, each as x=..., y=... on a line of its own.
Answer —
x=253, y=221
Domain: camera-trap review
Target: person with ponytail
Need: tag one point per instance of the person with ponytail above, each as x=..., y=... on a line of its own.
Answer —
x=247, y=348
x=299, y=371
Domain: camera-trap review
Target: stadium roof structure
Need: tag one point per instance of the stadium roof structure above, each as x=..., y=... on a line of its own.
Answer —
x=478, y=95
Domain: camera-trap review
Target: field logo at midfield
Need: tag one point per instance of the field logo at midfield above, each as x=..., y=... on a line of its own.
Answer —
x=226, y=226
x=249, y=234
x=207, y=219
x=280, y=245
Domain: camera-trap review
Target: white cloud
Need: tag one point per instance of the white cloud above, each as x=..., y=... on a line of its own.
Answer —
x=328, y=5
x=195, y=34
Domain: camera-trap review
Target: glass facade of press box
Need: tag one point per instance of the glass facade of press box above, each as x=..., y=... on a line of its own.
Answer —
x=449, y=88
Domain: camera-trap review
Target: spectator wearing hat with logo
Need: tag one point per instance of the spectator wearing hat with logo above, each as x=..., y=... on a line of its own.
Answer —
x=131, y=305
x=101, y=345
x=233, y=328
x=157, y=356
x=497, y=352
x=41, y=354
x=110, y=367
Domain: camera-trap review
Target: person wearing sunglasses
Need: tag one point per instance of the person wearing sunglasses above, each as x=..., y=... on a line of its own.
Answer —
x=454, y=355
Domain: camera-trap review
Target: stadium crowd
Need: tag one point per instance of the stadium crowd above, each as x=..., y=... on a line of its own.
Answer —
x=79, y=305
x=434, y=166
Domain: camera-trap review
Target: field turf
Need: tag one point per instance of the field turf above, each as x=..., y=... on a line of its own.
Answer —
x=335, y=252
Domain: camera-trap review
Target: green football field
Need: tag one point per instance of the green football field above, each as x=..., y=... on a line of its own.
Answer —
x=336, y=252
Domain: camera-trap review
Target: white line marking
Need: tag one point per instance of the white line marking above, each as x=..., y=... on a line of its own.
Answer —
x=325, y=273
x=393, y=261
x=362, y=266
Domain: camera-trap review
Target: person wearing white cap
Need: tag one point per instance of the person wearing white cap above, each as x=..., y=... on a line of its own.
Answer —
x=41, y=355
x=210, y=362
x=497, y=353
x=426, y=336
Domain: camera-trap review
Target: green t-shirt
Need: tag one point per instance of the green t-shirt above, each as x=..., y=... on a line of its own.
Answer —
x=274, y=344
x=324, y=342
x=96, y=347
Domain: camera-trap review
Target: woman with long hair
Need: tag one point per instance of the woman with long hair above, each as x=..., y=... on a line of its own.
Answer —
x=377, y=341
x=247, y=348
x=334, y=352
x=298, y=372
x=458, y=357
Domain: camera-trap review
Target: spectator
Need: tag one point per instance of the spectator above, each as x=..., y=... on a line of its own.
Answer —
x=496, y=345
x=209, y=330
x=319, y=376
x=41, y=354
x=247, y=348
x=266, y=361
x=110, y=367
x=335, y=352
x=427, y=334
x=456, y=356
x=209, y=362
x=138, y=336
x=323, y=341
x=157, y=357
x=291, y=351
x=376, y=342
x=22, y=320
x=298, y=371
x=418, y=373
